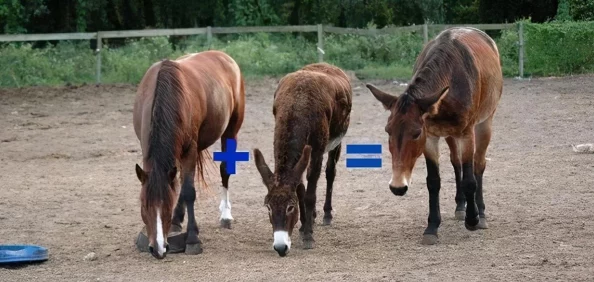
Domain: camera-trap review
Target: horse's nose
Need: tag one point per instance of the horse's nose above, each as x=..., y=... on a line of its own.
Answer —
x=399, y=191
x=156, y=254
x=281, y=249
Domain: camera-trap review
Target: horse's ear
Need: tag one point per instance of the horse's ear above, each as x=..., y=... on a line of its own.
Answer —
x=303, y=162
x=431, y=104
x=386, y=99
x=267, y=176
x=172, y=174
x=140, y=174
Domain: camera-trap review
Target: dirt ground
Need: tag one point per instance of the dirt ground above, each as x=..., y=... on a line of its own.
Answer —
x=67, y=182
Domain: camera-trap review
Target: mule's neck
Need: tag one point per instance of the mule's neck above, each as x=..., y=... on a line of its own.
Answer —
x=291, y=136
x=432, y=75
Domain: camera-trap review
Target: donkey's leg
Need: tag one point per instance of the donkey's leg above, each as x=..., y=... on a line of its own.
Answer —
x=457, y=164
x=482, y=137
x=333, y=157
x=188, y=194
x=225, y=206
x=433, y=186
x=468, y=185
x=313, y=174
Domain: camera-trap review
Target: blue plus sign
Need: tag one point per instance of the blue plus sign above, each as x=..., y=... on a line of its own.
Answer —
x=230, y=156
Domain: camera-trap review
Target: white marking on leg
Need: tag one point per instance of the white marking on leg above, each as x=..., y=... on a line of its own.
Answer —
x=281, y=239
x=225, y=206
x=160, y=237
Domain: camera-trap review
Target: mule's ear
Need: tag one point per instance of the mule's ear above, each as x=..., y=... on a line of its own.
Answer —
x=140, y=174
x=431, y=104
x=303, y=162
x=386, y=99
x=267, y=176
x=172, y=174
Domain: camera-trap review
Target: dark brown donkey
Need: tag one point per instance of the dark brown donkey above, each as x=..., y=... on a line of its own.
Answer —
x=182, y=107
x=312, y=109
x=454, y=93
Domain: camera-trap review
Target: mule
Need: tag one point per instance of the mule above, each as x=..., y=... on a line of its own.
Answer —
x=454, y=92
x=182, y=107
x=312, y=109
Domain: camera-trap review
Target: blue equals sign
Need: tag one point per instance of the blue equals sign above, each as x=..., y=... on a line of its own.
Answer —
x=364, y=149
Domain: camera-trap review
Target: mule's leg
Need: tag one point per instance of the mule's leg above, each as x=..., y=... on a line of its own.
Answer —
x=468, y=184
x=433, y=186
x=333, y=157
x=457, y=164
x=178, y=215
x=483, y=137
x=225, y=205
x=313, y=174
x=188, y=194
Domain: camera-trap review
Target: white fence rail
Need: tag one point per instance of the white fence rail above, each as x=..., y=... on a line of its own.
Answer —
x=209, y=31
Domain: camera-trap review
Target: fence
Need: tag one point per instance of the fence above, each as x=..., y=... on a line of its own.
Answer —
x=209, y=31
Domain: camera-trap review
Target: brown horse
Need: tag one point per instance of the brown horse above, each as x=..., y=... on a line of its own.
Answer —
x=454, y=93
x=182, y=107
x=312, y=109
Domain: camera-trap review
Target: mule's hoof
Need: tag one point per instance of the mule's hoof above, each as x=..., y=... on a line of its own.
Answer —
x=460, y=215
x=327, y=221
x=226, y=223
x=471, y=223
x=429, y=239
x=482, y=223
x=193, y=249
x=309, y=244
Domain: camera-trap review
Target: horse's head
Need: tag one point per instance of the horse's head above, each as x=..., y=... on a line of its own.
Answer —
x=157, y=198
x=282, y=200
x=407, y=132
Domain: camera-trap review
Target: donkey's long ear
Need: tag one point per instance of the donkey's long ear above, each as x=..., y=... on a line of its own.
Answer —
x=431, y=103
x=386, y=99
x=302, y=163
x=140, y=174
x=267, y=176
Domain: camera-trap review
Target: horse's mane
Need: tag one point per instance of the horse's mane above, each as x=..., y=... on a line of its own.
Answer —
x=163, y=134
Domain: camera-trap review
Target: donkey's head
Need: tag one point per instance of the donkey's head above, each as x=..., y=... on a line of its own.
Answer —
x=157, y=198
x=282, y=200
x=407, y=132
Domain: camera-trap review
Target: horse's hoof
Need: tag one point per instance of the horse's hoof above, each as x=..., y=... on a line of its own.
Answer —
x=308, y=244
x=471, y=223
x=175, y=228
x=460, y=215
x=482, y=223
x=193, y=249
x=327, y=221
x=429, y=239
x=226, y=223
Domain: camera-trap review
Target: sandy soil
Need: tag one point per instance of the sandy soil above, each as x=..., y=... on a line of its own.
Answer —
x=67, y=182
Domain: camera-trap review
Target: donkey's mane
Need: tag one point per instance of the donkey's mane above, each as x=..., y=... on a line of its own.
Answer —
x=163, y=134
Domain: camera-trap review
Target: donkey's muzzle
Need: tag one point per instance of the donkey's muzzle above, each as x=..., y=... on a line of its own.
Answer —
x=281, y=249
x=399, y=191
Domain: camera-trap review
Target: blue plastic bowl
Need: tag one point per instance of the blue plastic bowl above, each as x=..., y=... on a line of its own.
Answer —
x=22, y=253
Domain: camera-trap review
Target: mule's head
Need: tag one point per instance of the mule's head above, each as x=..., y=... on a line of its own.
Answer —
x=407, y=132
x=157, y=198
x=282, y=200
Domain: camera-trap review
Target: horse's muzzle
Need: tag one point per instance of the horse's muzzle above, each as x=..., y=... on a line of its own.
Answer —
x=399, y=191
x=156, y=254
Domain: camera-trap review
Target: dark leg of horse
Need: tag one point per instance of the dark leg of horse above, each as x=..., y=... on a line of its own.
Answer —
x=333, y=157
x=313, y=174
x=460, y=212
x=433, y=186
x=178, y=215
x=469, y=183
x=188, y=193
x=225, y=205
x=482, y=137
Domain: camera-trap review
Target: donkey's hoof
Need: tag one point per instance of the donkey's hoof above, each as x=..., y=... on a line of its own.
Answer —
x=309, y=244
x=460, y=215
x=429, y=239
x=471, y=223
x=482, y=223
x=226, y=223
x=327, y=220
x=194, y=249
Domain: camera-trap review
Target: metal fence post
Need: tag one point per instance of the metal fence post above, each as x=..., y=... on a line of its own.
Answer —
x=521, y=49
x=425, y=34
x=209, y=36
x=320, y=43
x=98, y=55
